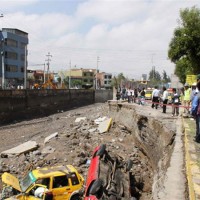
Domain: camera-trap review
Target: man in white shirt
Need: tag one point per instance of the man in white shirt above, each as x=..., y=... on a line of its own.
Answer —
x=155, y=97
x=165, y=99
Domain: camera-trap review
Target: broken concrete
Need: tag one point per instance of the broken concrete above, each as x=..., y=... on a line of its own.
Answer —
x=105, y=125
x=50, y=137
x=22, y=148
x=80, y=119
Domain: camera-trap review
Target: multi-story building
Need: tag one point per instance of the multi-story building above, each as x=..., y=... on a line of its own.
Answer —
x=13, y=57
x=81, y=78
x=104, y=80
x=88, y=78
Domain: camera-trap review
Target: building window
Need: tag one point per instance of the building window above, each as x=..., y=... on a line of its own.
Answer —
x=105, y=82
x=11, y=55
x=22, y=45
x=11, y=68
x=84, y=74
x=11, y=42
x=22, y=57
x=22, y=69
x=85, y=80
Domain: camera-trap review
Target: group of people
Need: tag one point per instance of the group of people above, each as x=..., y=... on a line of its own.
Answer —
x=183, y=96
x=136, y=95
x=163, y=95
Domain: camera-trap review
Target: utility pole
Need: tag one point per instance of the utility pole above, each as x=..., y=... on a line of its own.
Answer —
x=98, y=60
x=153, y=67
x=2, y=59
x=25, y=67
x=70, y=74
x=3, y=67
x=48, y=64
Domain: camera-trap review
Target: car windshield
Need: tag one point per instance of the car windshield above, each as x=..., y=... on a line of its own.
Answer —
x=148, y=92
x=27, y=181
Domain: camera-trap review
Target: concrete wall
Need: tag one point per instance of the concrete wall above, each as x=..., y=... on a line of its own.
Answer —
x=26, y=104
x=102, y=96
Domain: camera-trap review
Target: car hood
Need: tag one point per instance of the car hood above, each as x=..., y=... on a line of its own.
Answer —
x=11, y=180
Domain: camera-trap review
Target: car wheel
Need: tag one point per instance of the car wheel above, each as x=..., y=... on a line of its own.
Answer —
x=97, y=185
x=75, y=197
x=101, y=150
x=129, y=165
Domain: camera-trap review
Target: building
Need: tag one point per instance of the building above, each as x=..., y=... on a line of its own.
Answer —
x=87, y=78
x=104, y=80
x=13, y=57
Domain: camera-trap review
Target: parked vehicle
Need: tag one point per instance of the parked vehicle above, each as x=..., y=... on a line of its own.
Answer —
x=148, y=94
x=52, y=183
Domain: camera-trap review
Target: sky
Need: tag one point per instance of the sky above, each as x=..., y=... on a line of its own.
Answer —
x=115, y=36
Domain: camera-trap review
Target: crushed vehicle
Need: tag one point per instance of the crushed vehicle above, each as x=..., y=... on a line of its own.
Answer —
x=48, y=183
x=109, y=177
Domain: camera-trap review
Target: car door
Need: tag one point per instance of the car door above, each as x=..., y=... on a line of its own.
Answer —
x=61, y=188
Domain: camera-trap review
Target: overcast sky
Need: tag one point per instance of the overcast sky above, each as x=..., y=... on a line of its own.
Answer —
x=128, y=36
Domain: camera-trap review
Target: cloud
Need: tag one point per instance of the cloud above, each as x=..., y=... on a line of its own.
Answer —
x=129, y=36
x=12, y=5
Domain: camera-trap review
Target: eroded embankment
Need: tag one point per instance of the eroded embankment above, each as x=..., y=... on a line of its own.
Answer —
x=152, y=138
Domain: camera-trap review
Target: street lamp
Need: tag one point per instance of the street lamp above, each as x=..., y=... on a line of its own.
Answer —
x=98, y=60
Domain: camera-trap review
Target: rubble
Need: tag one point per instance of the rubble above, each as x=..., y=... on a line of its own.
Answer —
x=50, y=137
x=22, y=148
x=76, y=143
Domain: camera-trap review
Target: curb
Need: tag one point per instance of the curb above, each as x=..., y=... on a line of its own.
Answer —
x=191, y=162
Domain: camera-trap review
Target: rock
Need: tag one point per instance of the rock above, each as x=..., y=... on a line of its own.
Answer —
x=50, y=137
x=48, y=150
x=22, y=148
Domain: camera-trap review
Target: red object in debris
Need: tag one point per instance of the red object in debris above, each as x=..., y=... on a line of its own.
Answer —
x=93, y=173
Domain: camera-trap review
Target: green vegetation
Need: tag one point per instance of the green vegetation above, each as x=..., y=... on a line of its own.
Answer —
x=156, y=79
x=184, y=48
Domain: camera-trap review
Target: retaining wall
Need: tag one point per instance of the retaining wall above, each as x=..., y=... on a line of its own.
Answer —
x=26, y=104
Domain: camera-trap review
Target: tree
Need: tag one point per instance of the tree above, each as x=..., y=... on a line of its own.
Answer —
x=184, y=48
x=154, y=75
x=165, y=77
x=117, y=81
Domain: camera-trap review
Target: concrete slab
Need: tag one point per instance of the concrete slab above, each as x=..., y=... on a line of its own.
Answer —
x=100, y=119
x=50, y=137
x=105, y=125
x=22, y=148
x=80, y=119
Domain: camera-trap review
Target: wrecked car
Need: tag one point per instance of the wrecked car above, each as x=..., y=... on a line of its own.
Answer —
x=109, y=177
x=48, y=183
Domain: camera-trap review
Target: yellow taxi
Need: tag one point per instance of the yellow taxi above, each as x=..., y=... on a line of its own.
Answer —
x=49, y=183
x=148, y=94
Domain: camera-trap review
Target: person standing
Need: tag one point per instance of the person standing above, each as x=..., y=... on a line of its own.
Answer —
x=186, y=99
x=129, y=95
x=155, y=97
x=175, y=103
x=165, y=99
x=195, y=112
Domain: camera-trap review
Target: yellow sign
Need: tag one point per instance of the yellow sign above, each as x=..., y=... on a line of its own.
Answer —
x=190, y=79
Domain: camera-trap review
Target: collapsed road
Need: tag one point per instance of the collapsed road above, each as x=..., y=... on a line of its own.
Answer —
x=137, y=133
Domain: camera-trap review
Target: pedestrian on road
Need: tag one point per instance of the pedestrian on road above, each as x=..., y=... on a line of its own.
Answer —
x=195, y=110
x=165, y=99
x=186, y=100
x=175, y=102
x=155, y=97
